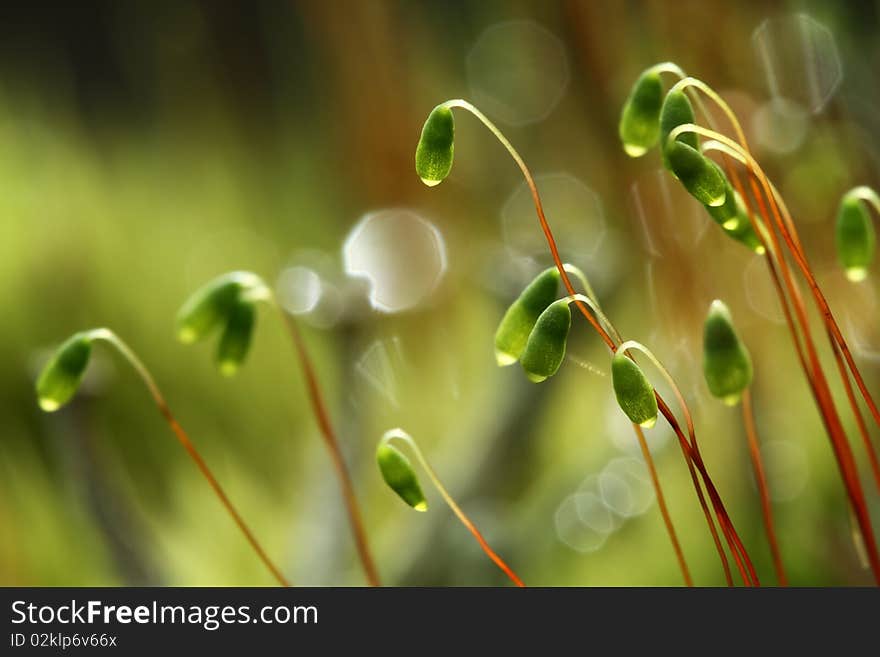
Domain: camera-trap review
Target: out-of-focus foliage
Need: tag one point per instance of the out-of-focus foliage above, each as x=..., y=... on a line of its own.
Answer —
x=147, y=147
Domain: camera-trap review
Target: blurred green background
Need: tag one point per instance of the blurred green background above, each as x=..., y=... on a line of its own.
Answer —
x=146, y=147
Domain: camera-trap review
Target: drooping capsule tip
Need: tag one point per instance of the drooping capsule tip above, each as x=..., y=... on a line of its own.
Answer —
x=760, y=250
x=421, y=506
x=504, y=359
x=718, y=306
x=431, y=183
x=731, y=400
x=634, y=150
x=228, y=367
x=186, y=335
x=731, y=224
x=535, y=378
x=856, y=274
x=650, y=422
x=717, y=201
x=49, y=405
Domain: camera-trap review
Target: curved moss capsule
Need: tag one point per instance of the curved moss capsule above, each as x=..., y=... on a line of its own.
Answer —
x=639, y=126
x=855, y=237
x=236, y=338
x=398, y=473
x=434, y=152
x=743, y=232
x=635, y=394
x=733, y=217
x=727, y=214
x=519, y=319
x=727, y=366
x=61, y=376
x=208, y=308
x=676, y=110
x=545, y=349
x=699, y=175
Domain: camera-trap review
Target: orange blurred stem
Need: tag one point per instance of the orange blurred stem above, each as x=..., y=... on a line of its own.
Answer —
x=723, y=521
x=664, y=511
x=762, y=189
x=322, y=417
x=590, y=300
x=147, y=378
x=758, y=465
x=860, y=422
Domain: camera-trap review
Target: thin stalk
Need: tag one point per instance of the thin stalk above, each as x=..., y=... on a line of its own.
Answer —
x=551, y=242
x=749, y=578
x=115, y=341
x=319, y=409
x=646, y=453
x=661, y=503
x=497, y=560
x=545, y=227
x=818, y=383
x=792, y=239
x=758, y=465
x=860, y=422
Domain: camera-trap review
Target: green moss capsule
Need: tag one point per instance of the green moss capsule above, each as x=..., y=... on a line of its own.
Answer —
x=208, y=308
x=727, y=366
x=733, y=217
x=676, y=110
x=545, y=349
x=743, y=232
x=434, y=152
x=236, y=338
x=635, y=394
x=398, y=473
x=639, y=126
x=855, y=238
x=519, y=319
x=699, y=175
x=61, y=376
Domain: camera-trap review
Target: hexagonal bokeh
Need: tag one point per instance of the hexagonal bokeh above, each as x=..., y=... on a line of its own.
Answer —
x=517, y=71
x=573, y=210
x=800, y=59
x=401, y=254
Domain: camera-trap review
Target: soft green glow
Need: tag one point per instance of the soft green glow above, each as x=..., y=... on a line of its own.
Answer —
x=634, y=151
x=436, y=147
x=545, y=349
x=856, y=274
x=635, y=394
x=236, y=338
x=676, y=110
x=207, y=309
x=398, y=473
x=520, y=318
x=855, y=237
x=639, y=126
x=699, y=175
x=227, y=302
x=61, y=376
x=727, y=366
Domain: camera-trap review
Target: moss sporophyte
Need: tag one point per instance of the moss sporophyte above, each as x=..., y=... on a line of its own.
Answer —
x=550, y=351
x=398, y=472
x=61, y=377
x=759, y=218
x=727, y=368
x=229, y=302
